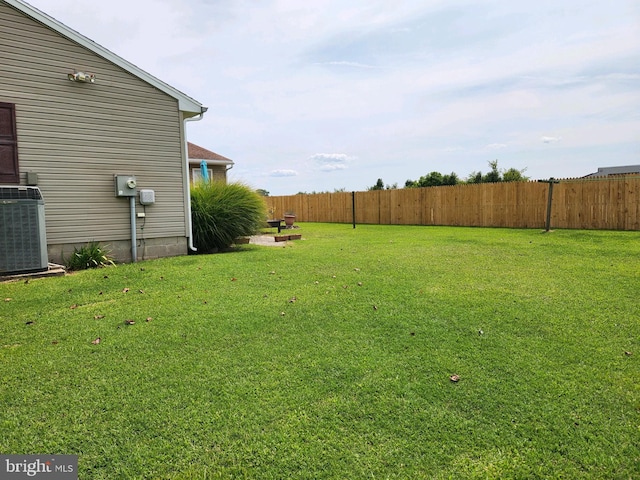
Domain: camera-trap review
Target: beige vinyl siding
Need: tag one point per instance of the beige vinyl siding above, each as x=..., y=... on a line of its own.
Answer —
x=77, y=136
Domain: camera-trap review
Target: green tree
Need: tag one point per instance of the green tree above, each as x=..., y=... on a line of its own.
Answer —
x=494, y=175
x=378, y=186
x=498, y=175
x=451, y=179
x=262, y=192
x=432, y=180
x=475, y=177
x=514, y=175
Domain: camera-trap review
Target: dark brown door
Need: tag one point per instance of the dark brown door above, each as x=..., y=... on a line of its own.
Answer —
x=9, y=172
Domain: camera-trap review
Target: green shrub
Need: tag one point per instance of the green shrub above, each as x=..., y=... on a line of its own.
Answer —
x=222, y=212
x=91, y=255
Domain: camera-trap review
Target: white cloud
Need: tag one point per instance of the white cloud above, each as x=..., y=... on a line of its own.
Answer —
x=330, y=167
x=346, y=64
x=496, y=146
x=546, y=139
x=330, y=162
x=283, y=173
x=452, y=149
x=326, y=158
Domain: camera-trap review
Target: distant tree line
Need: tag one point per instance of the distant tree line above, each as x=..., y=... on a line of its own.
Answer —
x=435, y=179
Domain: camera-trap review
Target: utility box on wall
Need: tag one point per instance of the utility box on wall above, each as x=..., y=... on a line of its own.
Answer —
x=125, y=185
x=147, y=197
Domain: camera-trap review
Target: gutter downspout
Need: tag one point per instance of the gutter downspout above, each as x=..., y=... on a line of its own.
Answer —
x=188, y=183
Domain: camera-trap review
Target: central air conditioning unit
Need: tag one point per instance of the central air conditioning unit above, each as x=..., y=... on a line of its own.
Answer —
x=23, y=240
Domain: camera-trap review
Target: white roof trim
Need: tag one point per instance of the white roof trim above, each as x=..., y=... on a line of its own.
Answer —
x=186, y=104
x=195, y=161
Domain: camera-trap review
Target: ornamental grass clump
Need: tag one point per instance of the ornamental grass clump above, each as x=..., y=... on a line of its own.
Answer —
x=222, y=212
x=91, y=255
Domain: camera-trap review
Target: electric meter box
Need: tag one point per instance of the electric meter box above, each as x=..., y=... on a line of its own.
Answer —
x=125, y=185
x=147, y=197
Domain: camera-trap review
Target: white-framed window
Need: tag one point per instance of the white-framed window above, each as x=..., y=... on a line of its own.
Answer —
x=196, y=175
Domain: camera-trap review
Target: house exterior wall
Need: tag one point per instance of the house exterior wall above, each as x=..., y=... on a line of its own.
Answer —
x=216, y=172
x=76, y=136
x=219, y=173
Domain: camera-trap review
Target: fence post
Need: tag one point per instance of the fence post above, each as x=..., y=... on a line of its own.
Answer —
x=551, y=181
x=353, y=208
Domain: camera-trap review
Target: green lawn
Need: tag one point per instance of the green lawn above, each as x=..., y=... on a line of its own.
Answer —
x=332, y=357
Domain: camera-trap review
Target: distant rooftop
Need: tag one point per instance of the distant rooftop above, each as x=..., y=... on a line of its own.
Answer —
x=196, y=152
x=622, y=170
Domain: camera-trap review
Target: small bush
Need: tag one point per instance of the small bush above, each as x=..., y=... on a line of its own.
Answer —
x=91, y=255
x=222, y=212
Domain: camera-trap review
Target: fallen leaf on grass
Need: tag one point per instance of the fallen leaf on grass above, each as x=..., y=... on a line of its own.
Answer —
x=292, y=300
x=100, y=293
x=356, y=269
x=628, y=354
x=149, y=319
x=54, y=342
x=141, y=291
x=96, y=341
x=282, y=314
x=454, y=378
x=30, y=322
x=125, y=290
x=129, y=322
x=375, y=307
x=233, y=279
x=7, y=299
x=272, y=272
x=98, y=317
x=74, y=306
x=359, y=284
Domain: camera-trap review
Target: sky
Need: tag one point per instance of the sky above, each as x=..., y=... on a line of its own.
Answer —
x=326, y=95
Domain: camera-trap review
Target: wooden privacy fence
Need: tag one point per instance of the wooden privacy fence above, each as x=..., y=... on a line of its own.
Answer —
x=611, y=203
